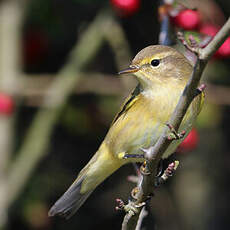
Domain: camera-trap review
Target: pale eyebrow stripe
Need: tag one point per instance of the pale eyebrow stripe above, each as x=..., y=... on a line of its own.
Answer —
x=163, y=55
x=160, y=56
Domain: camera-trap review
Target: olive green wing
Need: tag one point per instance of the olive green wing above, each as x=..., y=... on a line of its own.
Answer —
x=130, y=100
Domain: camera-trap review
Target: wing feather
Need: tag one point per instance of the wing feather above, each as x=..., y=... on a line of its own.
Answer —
x=130, y=100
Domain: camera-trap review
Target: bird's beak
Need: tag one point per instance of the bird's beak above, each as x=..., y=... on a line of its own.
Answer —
x=131, y=69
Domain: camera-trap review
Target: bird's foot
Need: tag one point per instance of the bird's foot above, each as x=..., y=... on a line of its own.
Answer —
x=174, y=135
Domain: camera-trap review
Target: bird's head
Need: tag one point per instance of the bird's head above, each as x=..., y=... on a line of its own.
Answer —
x=159, y=65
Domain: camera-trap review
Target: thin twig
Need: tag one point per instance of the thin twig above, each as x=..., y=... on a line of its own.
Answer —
x=217, y=41
x=35, y=87
x=143, y=214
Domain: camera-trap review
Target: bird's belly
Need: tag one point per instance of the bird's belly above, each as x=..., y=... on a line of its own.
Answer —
x=143, y=137
x=139, y=128
x=142, y=125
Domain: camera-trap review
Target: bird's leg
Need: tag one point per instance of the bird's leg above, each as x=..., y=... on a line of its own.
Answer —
x=134, y=156
x=174, y=135
x=124, y=155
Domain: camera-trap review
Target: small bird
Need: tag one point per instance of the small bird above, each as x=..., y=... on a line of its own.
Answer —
x=162, y=73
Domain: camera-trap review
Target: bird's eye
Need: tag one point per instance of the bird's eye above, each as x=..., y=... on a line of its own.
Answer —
x=155, y=62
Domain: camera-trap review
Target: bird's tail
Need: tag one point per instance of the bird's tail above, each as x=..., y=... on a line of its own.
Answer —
x=70, y=201
x=98, y=169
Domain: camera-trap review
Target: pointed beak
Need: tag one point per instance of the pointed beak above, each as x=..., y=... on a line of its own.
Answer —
x=131, y=69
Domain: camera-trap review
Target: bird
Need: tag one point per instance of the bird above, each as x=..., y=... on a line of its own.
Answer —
x=162, y=73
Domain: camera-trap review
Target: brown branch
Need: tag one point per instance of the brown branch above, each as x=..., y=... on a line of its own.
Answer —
x=11, y=15
x=143, y=214
x=155, y=152
x=99, y=83
x=36, y=86
x=216, y=42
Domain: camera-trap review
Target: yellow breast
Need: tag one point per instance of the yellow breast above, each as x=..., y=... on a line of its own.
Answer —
x=142, y=124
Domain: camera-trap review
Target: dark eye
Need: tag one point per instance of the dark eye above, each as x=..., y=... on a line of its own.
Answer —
x=155, y=62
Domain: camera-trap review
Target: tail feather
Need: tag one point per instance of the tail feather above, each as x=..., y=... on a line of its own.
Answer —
x=70, y=202
x=101, y=165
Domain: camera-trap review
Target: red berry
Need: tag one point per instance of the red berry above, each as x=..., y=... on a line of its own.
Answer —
x=211, y=30
x=190, y=142
x=6, y=104
x=125, y=7
x=224, y=50
x=188, y=19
